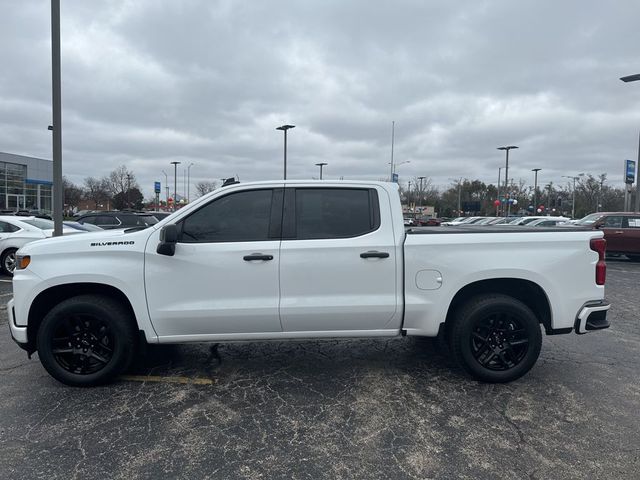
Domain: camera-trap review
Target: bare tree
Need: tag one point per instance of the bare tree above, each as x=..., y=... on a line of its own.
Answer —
x=72, y=193
x=205, y=187
x=96, y=190
x=121, y=180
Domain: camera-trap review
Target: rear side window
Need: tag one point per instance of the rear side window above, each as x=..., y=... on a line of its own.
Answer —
x=106, y=220
x=237, y=217
x=634, y=222
x=6, y=227
x=334, y=212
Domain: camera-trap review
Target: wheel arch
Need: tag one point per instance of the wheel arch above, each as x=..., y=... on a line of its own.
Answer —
x=528, y=292
x=52, y=296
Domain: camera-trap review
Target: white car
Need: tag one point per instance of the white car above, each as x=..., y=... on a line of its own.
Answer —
x=547, y=222
x=16, y=232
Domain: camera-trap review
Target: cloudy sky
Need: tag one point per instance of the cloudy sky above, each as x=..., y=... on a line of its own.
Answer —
x=147, y=82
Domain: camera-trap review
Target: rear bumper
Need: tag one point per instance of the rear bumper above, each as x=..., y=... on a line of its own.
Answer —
x=592, y=316
x=19, y=334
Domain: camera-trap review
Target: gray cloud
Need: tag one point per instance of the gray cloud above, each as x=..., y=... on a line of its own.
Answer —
x=203, y=82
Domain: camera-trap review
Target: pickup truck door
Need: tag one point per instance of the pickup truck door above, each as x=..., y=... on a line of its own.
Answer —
x=337, y=261
x=223, y=277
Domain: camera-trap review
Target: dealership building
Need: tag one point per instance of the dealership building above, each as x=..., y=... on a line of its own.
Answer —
x=25, y=183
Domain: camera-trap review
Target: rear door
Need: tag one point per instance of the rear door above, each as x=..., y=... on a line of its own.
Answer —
x=337, y=261
x=631, y=235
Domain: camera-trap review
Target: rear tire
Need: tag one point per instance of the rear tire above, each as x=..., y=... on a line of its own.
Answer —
x=86, y=340
x=8, y=261
x=495, y=338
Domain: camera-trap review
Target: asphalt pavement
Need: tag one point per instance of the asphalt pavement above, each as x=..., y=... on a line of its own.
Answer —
x=334, y=409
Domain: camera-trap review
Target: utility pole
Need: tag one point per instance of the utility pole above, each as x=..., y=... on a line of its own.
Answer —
x=499, y=202
x=166, y=187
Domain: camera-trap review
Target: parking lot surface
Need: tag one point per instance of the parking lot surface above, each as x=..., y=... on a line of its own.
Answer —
x=334, y=409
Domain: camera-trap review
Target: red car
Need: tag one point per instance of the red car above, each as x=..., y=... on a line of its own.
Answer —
x=428, y=222
x=621, y=231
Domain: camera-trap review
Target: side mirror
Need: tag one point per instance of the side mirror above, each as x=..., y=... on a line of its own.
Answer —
x=168, y=240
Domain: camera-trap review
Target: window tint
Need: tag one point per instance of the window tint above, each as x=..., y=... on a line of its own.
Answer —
x=238, y=217
x=40, y=223
x=106, y=220
x=90, y=220
x=335, y=213
x=613, y=222
x=6, y=227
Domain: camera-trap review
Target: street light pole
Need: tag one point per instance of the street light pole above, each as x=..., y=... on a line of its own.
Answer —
x=175, y=182
x=321, y=164
x=420, y=193
x=166, y=189
x=633, y=78
x=573, y=201
x=189, y=182
x=393, y=131
x=506, y=148
x=498, y=194
x=128, y=190
x=58, y=194
x=284, y=128
x=535, y=189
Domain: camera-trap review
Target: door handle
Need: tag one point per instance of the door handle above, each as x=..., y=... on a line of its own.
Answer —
x=257, y=256
x=373, y=254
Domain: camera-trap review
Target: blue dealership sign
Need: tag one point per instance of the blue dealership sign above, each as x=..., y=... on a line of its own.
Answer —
x=630, y=171
x=156, y=187
x=394, y=178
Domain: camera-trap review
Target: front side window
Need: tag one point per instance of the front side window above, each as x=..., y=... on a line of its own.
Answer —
x=613, y=222
x=237, y=217
x=335, y=212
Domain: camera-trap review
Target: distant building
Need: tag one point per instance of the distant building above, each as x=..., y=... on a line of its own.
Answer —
x=25, y=183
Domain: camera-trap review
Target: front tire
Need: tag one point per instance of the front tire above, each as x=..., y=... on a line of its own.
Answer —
x=86, y=340
x=8, y=261
x=495, y=338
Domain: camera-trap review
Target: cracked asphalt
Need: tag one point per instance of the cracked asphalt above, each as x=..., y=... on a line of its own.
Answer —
x=335, y=409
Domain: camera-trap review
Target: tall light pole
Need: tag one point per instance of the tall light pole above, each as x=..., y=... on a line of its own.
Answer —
x=284, y=128
x=321, y=164
x=506, y=148
x=189, y=182
x=393, y=132
x=420, y=193
x=166, y=189
x=175, y=183
x=128, y=190
x=633, y=78
x=573, y=202
x=500, y=203
x=535, y=189
x=56, y=90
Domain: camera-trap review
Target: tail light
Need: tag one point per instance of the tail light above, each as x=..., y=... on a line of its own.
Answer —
x=600, y=245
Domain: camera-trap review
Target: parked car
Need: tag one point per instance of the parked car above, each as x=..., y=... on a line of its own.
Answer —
x=621, y=231
x=111, y=220
x=84, y=227
x=428, y=222
x=242, y=261
x=15, y=232
x=409, y=221
x=160, y=215
x=547, y=222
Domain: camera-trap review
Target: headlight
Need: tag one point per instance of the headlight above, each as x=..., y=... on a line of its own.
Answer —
x=22, y=261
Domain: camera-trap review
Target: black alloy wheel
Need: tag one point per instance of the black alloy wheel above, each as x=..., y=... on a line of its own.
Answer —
x=494, y=337
x=82, y=344
x=499, y=341
x=86, y=340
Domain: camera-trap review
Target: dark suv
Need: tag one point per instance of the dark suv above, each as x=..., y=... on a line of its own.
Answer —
x=621, y=231
x=111, y=220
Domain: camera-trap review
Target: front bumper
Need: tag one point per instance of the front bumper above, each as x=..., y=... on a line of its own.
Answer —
x=19, y=334
x=592, y=316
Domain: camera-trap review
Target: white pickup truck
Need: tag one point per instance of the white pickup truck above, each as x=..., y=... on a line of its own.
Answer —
x=301, y=259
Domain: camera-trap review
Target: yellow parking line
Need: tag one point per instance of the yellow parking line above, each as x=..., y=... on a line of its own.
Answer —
x=159, y=379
